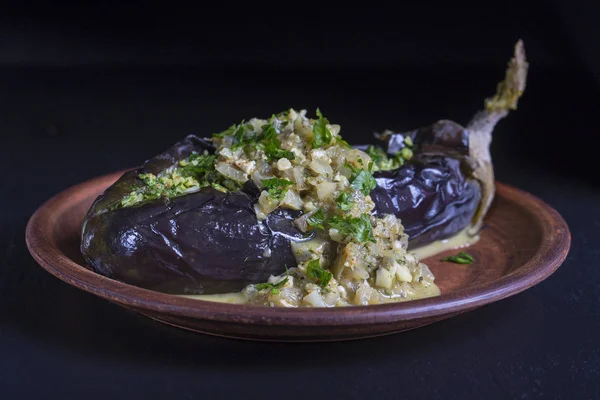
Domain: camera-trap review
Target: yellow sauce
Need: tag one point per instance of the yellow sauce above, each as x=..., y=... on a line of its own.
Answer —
x=460, y=240
x=231, y=298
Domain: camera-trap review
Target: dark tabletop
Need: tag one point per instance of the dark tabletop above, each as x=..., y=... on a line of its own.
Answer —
x=60, y=127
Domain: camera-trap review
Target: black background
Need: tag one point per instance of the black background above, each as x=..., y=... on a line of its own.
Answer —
x=86, y=90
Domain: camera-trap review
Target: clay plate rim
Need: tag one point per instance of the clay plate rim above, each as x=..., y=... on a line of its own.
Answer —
x=556, y=240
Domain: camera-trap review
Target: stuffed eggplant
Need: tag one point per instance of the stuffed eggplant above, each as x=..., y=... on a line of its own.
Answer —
x=286, y=213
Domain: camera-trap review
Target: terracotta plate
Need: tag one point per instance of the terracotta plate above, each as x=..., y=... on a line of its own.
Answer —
x=524, y=242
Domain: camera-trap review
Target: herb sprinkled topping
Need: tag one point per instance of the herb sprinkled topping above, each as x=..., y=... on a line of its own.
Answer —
x=316, y=220
x=322, y=134
x=189, y=175
x=360, y=229
x=344, y=201
x=276, y=187
x=362, y=179
x=317, y=274
x=272, y=145
x=274, y=287
x=460, y=258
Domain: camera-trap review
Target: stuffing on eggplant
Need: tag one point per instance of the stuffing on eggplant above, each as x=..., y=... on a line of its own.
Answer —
x=285, y=211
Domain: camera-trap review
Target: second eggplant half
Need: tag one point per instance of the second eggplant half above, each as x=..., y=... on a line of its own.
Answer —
x=448, y=185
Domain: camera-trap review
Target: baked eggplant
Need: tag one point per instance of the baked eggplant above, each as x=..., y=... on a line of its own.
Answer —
x=187, y=244
x=448, y=185
x=212, y=239
x=433, y=193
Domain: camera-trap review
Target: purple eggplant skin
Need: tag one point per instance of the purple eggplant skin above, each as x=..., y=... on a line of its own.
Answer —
x=432, y=193
x=201, y=243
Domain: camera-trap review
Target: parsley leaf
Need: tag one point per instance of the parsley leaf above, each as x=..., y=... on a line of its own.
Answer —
x=382, y=161
x=362, y=179
x=272, y=145
x=273, y=286
x=276, y=187
x=377, y=154
x=359, y=228
x=316, y=220
x=322, y=134
x=227, y=132
x=198, y=165
x=344, y=201
x=243, y=136
x=192, y=173
x=342, y=142
x=460, y=258
x=317, y=274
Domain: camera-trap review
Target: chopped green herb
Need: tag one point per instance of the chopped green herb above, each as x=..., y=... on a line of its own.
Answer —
x=193, y=173
x=382, y=161
x=276, y=187
x=198, y=165
x=322, y=134
x=361, y=179
x=342, y=142
x=344, y=201
x=244, y=136
x=399, y=160
x=219, y=187
x=460, y=258
x=359, y=228
x=227, y=132
x=274, y=287
x=131, y=199
x=317, y=274
x=316, y=220
x=231, y=185
x=406, y=153
x=272, y=145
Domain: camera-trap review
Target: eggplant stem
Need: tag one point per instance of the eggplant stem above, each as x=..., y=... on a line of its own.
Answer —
x=482, y=124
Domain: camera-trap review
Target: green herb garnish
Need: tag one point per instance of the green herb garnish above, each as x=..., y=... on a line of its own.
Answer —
x=193, y=173
x=406, y=153
x=381, y=160
x=316, y=220
x=376, y=153
x=322, y=134
x=273, y=286
x=227, y=132
x=359, y=228
x=342, y=142
x=362, y=179
x=198, y=165
x=245, y=137
x=460, y=258
x=344, y=201
x=241, y=135
x=272, y=145
x=384, y=162
x=276, y=187
x=317, y=274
